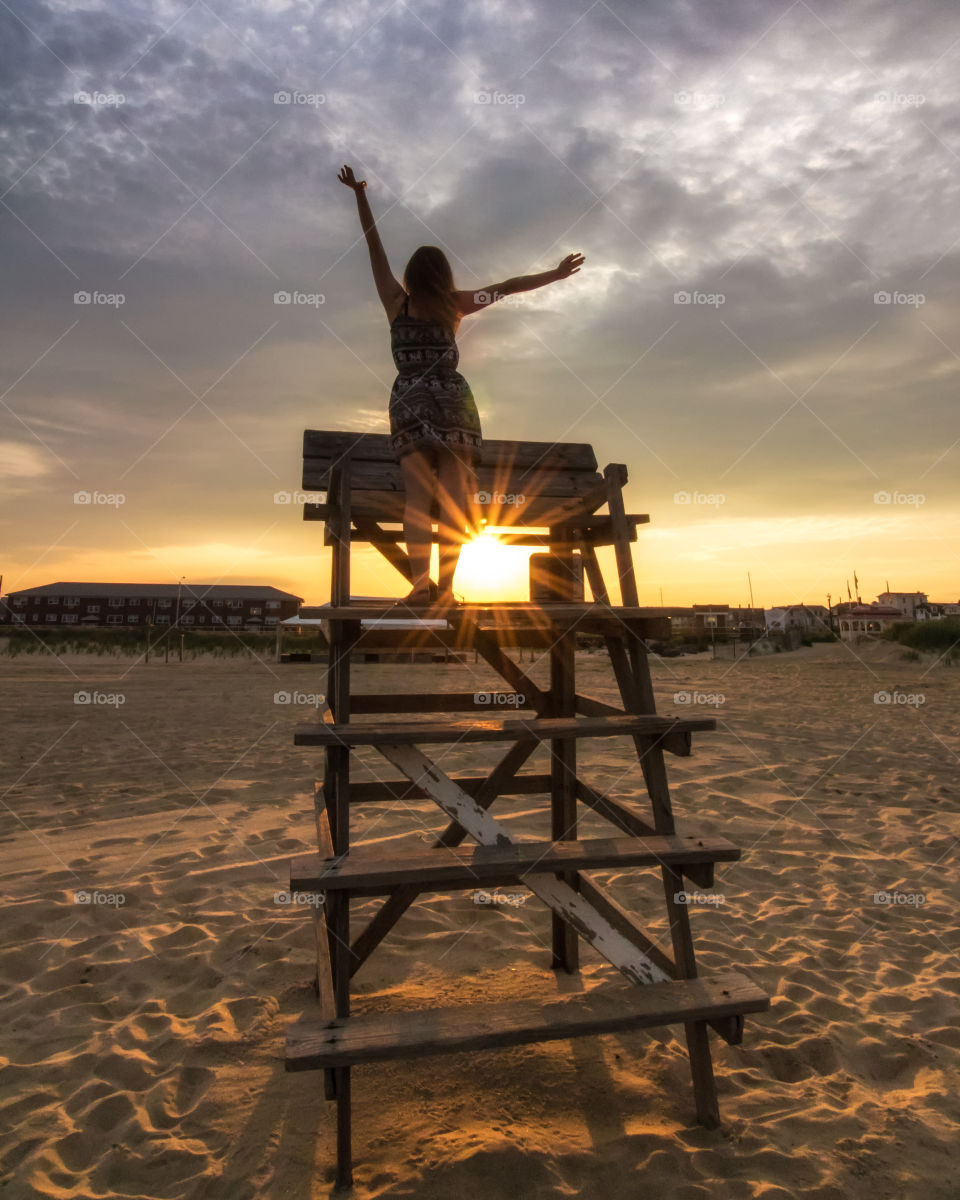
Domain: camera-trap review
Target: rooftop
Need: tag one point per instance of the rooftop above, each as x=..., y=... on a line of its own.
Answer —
x=140, y=591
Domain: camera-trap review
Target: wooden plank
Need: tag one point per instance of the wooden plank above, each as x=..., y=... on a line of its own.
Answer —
x=491, y=729
x=375, y=868
x=558, y=482
x=623, y=921
x=326, y=996
x=337, y=799
x=333, y=443
x=679, y=744
x=381, y=1037
x=373, y=791
x=563, y=792
x=537, y=509
x=553, y=892
x=595, y=530
x=572, y=612
x=615, y=476
x=426, y=702
x=500, y=779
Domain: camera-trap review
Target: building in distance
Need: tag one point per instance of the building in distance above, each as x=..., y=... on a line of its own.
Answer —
x=188, y=606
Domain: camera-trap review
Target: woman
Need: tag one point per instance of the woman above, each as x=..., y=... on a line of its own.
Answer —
x=434, y=424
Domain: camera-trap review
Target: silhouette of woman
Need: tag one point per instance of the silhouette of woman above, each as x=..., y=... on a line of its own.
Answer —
x=434, y=424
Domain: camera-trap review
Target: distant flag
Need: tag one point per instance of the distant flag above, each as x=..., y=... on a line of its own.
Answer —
x=856, y=585
x=849, y=597
x=887, y=582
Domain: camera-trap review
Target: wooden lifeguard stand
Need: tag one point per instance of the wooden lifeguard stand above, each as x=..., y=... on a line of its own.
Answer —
x=556, y=487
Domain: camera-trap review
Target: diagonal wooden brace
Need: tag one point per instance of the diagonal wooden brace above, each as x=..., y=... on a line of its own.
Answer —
x=558, y=896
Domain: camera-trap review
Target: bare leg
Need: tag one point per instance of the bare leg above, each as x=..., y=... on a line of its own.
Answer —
x=455, y=475
x=417, y=526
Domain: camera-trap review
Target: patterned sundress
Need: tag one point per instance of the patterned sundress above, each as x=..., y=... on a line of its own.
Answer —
x=431, y=403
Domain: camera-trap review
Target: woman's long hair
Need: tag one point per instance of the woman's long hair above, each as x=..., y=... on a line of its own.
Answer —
x=428, y=280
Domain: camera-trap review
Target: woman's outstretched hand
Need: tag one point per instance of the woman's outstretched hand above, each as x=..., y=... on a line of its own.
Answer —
x=346, y=176
x=569, y=266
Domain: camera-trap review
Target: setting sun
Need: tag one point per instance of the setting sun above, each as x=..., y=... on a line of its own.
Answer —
x=489, y=570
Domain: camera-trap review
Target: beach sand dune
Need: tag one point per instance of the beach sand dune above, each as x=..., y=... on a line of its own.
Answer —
x=142, y=1045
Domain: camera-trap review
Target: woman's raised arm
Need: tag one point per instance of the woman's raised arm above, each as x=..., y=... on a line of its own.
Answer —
x=388, y=289
x=470, y=302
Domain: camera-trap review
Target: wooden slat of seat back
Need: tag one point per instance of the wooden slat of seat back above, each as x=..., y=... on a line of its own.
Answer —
x=323, y=449
x=519, y=483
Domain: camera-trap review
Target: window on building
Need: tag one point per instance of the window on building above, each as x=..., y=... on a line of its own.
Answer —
x=69, y=618
x=217, y=603
x=235, y=603
x=273, y=604
x=114, y=619
x=34, y=617
x=234, y=620
x=133, y=619
x=132, y=601
x=93, y=608
x=163, y=620
x=187, y=620
x=255, y=610
x=20, y=602
x=201, y=620
x=53, y=617
x=71, y=601
x=116, y=602
x=164, y=603
x=53, y=599
x=271, y=620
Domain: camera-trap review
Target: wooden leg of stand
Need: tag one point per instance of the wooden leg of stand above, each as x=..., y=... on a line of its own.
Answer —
x=563, y=788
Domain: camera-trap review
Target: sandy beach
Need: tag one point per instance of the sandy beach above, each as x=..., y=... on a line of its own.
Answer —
x=143, y=1029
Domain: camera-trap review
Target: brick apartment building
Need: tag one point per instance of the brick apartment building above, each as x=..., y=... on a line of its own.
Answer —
x=191, y=606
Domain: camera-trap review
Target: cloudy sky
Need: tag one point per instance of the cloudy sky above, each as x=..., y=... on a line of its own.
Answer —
x=783, y=166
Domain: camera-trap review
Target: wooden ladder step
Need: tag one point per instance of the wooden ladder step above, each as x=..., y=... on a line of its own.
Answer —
x=492, y=729
x=377, y=1037
x=373, y=870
